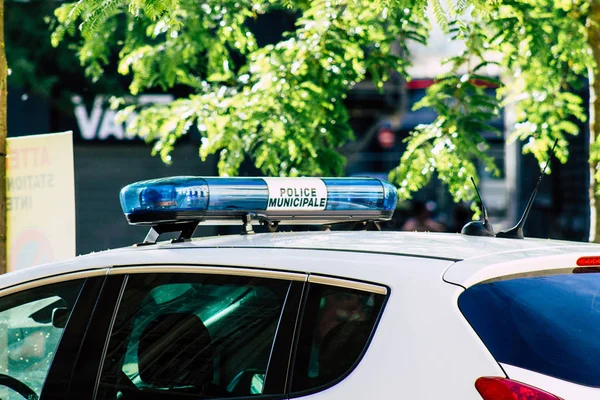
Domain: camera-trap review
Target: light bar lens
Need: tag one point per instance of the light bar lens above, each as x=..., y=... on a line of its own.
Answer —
x=345, y=193
x=237, y=193
x=165, y=194
x=285, y=200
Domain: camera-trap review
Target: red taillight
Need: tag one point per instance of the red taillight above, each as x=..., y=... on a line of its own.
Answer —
x=588, y=261
x=505, y=389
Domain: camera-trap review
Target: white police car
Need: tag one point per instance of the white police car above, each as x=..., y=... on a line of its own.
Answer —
x=320, y=315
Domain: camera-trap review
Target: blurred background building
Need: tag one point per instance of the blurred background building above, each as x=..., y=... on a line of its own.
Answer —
x=106, y=160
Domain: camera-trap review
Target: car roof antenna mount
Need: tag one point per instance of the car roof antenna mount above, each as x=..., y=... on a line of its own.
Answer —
x=479, y=228
x=516, y=232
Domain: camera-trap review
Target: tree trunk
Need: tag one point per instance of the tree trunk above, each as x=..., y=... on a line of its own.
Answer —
x=593, y=38
x=3, y=133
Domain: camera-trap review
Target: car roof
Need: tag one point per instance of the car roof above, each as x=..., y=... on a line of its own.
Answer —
x=468, y=259
x=444, y=246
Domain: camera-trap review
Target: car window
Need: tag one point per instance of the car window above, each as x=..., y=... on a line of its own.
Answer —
x=336, y=326
x=546, y=324
x=193, y=336
x=31, y=326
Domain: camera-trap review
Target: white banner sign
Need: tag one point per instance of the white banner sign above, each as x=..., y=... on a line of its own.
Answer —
x=40, y=199
x=296, y=194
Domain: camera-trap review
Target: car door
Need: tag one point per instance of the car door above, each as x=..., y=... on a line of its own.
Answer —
x=181, y=332
x=41, y=322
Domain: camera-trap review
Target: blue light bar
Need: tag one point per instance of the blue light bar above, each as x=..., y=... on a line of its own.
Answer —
x=287, y=201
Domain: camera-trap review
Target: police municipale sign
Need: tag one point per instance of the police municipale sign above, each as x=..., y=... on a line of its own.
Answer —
x=296, y=194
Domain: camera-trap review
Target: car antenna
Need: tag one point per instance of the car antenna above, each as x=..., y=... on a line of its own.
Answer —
x=516, y=232
x=479, y=228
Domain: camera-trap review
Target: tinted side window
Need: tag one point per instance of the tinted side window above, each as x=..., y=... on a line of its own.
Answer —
x=336, y=326
x=546, y=324
x=31, y=326
x=192, y=336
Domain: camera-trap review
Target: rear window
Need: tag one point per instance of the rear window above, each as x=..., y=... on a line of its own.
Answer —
x=547, y=324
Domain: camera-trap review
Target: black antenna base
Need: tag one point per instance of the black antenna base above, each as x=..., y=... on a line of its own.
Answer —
x=478, y=228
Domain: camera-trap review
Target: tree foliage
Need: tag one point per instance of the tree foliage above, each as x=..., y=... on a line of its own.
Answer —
x=541, y=47
x=453, y=143
x=282, y=104
x=37, y=68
